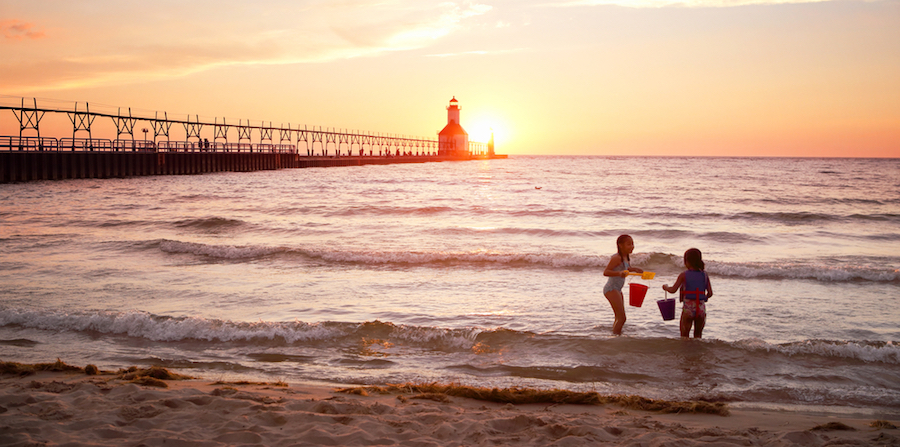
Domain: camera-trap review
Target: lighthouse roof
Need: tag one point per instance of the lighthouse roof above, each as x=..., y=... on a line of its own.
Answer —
x=452, y=128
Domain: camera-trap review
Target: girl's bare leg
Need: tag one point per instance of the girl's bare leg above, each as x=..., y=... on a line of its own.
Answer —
x=617, y=301
x=686, y=322
x=699, y=323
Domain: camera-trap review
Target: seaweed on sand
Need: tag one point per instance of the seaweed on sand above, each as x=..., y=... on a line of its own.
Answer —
x=833, y=426
x=882, y=424
x=154, y=372
x=553, y=396
x=152, y=376
x=23, y=369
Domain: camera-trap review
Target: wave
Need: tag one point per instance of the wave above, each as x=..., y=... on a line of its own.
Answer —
x=267, y=334
x=809, y=217
x=717, y=236
x=868, y=351
x=581, y=373
x=112, y=223
x=541, y=211
x=836, y=271
x=540, y=232
x=227, y=252
x=391, y=210
x=20, y=342
x=175, y=329
x=210, y=224
x=804, y=270
x=232, y=252
x=203, y=225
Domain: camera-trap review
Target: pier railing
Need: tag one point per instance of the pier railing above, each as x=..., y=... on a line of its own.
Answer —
x=49, y=144
x=9, y=143
x=303, y=141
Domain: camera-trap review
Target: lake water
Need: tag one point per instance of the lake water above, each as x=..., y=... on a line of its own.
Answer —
x=485, y=273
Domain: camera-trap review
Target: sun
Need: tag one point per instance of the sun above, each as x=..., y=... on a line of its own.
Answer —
x=480, y=129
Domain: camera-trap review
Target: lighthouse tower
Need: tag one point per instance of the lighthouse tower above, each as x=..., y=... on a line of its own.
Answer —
x=453, y=141
x=453, y=111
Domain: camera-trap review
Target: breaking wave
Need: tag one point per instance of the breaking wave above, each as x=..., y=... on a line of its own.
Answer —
x=161, y=328
x=663, y=262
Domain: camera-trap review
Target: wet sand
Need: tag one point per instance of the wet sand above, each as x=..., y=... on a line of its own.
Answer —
x=72, y=408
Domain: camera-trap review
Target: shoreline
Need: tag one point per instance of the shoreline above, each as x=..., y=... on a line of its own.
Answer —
x=58, y=407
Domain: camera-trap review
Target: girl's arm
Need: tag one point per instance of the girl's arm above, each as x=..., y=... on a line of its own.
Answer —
x=614, y=262
x=675, y=286
x=708, y=288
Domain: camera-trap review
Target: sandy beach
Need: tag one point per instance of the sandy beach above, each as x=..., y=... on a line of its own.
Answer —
x=73, y=408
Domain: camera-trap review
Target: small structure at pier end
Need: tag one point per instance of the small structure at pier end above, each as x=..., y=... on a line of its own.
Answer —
x=453, y=141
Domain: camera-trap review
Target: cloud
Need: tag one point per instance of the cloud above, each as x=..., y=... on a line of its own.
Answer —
x=392, y=27
x=127, y=51
x=19, y=30
x=449, y=20
x=147, y=63
x=464, y=53
x=676, y=3
x=478, y=53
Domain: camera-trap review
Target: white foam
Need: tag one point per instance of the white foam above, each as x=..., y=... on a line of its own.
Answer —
x=795, y=270
x=159, y=328
x=145, y=325
x=886, y=352
x=803, y=271
x=438, y=257
x=216, y=251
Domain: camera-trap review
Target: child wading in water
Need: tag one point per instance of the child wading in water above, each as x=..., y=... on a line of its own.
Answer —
x=617, y=270
x=695, y=289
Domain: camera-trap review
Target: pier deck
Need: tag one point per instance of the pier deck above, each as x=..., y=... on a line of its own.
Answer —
x=24, y=166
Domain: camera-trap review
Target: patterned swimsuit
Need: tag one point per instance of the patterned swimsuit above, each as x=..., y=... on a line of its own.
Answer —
x=616, y=282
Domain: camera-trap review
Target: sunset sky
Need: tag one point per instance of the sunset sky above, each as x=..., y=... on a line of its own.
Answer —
x=580, y=77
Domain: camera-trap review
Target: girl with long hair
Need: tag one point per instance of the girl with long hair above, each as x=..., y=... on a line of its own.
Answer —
x=617, y=270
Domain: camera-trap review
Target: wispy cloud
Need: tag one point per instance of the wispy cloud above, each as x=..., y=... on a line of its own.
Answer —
x=19, y=30
x=464, y=53
x=394, y=26
x=676, y=3
x=477, y=53
x=313, y=31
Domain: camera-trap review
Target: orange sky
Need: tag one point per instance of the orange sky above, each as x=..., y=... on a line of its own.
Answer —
x=604, y=77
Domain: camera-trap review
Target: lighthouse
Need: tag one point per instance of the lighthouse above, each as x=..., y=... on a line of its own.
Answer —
x=453, y=141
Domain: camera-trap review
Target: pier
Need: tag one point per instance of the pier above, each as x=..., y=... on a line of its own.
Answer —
x=29, y=158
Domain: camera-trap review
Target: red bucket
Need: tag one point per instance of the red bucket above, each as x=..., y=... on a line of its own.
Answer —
x=636, y=294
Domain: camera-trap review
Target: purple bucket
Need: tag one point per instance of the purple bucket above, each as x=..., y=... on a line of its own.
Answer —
x=667, y=308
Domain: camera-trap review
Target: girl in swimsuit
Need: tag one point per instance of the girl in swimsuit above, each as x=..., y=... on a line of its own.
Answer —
x=617, y=270
x=695, y=290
